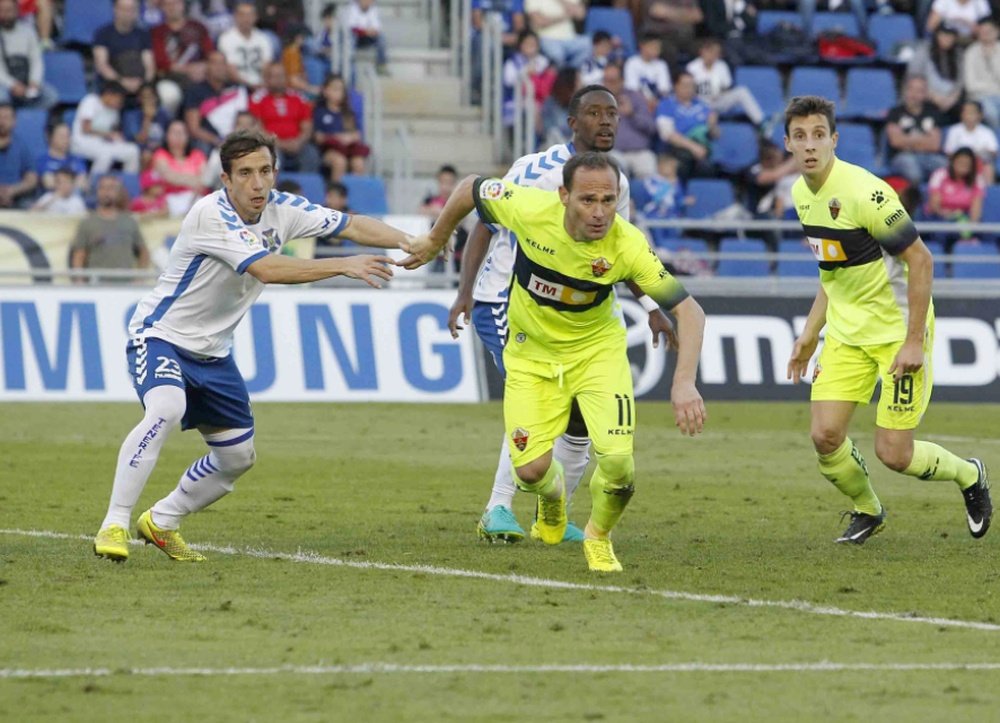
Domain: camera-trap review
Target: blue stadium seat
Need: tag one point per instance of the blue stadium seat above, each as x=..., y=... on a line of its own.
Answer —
x=857, y=145
x=975, y=270
x=316, y=68
x=366, y=194
x=617, y=22
x=82, y=18
x=870, y=93
x=743, y=267
x=736, y=148
x=765, y=84
x=29, y=127
x=710, y=196
x=805, y=266
x=768, y=20
x=131, y=183
x=695, y=246
x=312, y=185
x=64, y=71
x=991, y=205
x=889, y=31
x=844, y=23
x=808, y=80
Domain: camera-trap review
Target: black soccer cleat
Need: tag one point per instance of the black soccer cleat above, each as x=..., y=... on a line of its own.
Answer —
x=978, y=505
x=862, y=527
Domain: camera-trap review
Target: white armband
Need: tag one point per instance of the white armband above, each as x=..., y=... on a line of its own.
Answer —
x=649, y=304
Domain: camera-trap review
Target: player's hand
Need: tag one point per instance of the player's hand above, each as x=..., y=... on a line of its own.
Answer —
x=368, y=268
x=659, y=323
x=422, y=250
x=689, y=409
x=909, y=359
x=461, y=308
x=802, y=352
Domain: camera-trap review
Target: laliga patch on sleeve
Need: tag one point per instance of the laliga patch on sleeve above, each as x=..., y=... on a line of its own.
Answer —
x=248, y=238
x=491, y=190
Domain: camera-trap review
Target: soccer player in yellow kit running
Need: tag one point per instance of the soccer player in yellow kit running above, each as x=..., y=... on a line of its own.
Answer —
x=565, y=339
x=875, y=302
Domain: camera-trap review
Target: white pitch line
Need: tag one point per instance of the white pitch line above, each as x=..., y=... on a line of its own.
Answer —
x=386, y=668
x=312, y=558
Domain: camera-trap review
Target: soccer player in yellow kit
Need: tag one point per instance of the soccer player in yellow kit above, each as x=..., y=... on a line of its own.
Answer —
x=875, y=302
x=565, y=339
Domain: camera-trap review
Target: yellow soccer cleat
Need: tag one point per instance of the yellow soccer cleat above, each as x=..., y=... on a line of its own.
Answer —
x=601, y=556
x=550, y=519
x=112, y=542
x=170, y=541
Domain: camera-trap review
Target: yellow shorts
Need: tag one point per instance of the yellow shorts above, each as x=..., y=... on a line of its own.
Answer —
x=847, y=373
x=538, y=396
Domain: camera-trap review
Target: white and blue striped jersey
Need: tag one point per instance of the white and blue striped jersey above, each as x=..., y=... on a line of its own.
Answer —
x=539, y=170
x=205, y=291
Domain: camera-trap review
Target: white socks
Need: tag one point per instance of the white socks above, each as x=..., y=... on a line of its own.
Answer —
x=503, y=481
x=208, y=478
x=572, y=452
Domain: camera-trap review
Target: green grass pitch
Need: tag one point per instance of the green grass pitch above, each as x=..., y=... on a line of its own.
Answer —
x=738, y=522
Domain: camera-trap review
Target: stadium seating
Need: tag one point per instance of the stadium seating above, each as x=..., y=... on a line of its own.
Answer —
x=768, y=20
x=64, y=71
x=131, y=183
x=81, y=20
x=366, y=194
x=805, y=266
x=736, y=148
x=312, y=185
x=710, y=196
x=29, y=127
x=617, y=22
x=695, y=246
x=765, y=84
x=869, y=93
x=974, y=270
x=807, y=80
x=743, y=267
x=857, y=145
x=827, y=22
x=889, y=31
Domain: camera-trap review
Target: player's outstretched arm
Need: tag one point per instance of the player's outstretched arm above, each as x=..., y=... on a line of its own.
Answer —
x=423, y=249
x=475, y=250
x=368, y=231
x=277, y=269
x=689, y=408
x=805, y=345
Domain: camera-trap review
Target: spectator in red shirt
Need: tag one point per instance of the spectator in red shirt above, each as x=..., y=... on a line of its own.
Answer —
x=288, y=116
x=180, y=48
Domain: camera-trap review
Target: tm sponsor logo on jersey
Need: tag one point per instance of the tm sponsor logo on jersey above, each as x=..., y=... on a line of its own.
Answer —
x=558, y=292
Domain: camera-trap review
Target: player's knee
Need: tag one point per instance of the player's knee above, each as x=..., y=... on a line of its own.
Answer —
x=165, y=404
x=528, y=476
x=236, y=459
x=827, y=440
x=619, y=471
x=895, y=457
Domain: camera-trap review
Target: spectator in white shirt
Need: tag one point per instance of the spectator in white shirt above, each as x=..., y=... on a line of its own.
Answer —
x=65, y=198
x=555, y=22
x=363, y=20
x=592, y=70
x=972, y=133
x=247, y=49
x=982, y=70
x=960, y=14
x=715, y=83
x=97, y=131
x=647, y=73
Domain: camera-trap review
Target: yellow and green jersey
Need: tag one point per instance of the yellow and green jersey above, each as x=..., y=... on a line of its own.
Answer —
x=561, y=300
x=857, y=227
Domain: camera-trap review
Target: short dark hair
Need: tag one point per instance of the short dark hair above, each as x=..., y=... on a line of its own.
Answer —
x=329, y=10
x=600, y=36
x=113, y=86
x=577, y=99
x=448, y=168
x=338, y=187
x=289, y=185
x=588, y=159
x=65, y=171
x=805, y=105
x=242, y=143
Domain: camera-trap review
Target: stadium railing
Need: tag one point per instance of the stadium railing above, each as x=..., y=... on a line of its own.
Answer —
x=492, y=87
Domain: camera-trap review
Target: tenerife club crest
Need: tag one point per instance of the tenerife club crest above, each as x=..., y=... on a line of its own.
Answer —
x=600, y=266
x=834, y=207
x=271, y=240
x=520, y=438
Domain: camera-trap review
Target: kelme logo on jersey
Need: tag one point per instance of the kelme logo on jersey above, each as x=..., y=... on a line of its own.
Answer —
x=491, y=190
x=520, y=438
x=557, y=292
x=834, y=207
x=600, y=266
x=879, y=199
x=825, y=249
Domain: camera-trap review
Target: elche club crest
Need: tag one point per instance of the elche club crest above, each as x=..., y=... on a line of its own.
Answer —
x=600, y=266
x=834, y=207
x=520, y=438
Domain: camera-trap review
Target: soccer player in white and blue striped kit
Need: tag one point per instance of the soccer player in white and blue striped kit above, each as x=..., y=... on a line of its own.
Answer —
x=593, y=118
x=179, y=356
